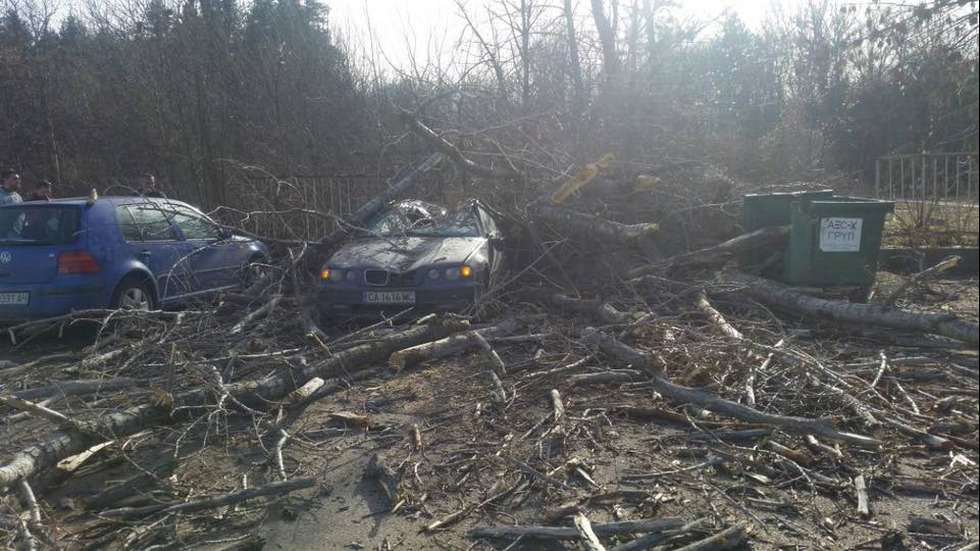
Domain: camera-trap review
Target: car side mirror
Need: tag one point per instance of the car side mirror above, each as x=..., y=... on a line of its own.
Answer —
x=495, y=241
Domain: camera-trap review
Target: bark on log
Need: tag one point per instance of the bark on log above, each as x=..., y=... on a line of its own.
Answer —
x=777, y=294
x=587, y=224
x=722, y=540
x=624, y=354
x=67, y=442
x=643, y=526
x=716, y=318
x=449, y=346
x=721, y=253
x=589, y=538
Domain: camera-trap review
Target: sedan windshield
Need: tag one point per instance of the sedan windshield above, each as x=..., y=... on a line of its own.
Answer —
x=27, y=224
x=418, y=219
x=459, y=224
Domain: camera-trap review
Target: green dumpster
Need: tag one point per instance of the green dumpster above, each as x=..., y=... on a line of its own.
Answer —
x=762, y=210
x=835, y=241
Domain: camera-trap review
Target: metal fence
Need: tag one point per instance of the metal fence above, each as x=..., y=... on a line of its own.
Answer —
x=948, y=177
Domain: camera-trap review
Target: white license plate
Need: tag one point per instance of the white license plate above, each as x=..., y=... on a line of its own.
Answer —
x=389, y=297
x=14, y=299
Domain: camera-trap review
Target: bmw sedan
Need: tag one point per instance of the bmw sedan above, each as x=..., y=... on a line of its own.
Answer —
x=415, y=255
x=115, y=252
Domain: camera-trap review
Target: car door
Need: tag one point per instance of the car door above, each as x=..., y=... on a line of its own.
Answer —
x=151, y=239
x=215, y=261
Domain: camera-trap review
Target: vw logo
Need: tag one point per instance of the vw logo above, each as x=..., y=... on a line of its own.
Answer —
x=5, y=257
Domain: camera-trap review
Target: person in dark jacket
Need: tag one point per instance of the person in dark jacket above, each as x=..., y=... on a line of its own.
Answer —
x=148, y=186
x=42, y=192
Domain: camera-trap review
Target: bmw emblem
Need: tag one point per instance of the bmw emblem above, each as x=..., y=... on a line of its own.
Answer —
x=5, y=257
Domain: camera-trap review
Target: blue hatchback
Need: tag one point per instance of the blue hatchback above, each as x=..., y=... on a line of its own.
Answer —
x=115, y=252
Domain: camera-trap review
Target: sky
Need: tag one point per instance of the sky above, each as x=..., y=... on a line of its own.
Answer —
x=434, y=26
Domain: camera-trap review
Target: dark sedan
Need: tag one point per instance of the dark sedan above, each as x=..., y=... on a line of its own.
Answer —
x=414, y=254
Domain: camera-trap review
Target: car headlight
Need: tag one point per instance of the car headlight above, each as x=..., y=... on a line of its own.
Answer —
x=332, y=274
x=351, y=275
x=452, y=274
x=433, y=274
x=466, y=271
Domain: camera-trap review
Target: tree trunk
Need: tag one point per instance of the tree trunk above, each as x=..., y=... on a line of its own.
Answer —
x=70, y=440
x=777, y=294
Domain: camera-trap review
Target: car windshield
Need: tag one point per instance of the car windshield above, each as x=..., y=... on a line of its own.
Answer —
x=418, y=219
x=27, y=224
x=462, y=223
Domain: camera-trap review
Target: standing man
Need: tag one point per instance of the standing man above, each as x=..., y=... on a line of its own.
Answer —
x=42, y=192
x=148, y=186
x=9, y=188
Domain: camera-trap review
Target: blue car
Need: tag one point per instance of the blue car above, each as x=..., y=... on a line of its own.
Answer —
x=115, y=252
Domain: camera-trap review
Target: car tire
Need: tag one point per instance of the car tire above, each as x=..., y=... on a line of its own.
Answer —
x=133, y=293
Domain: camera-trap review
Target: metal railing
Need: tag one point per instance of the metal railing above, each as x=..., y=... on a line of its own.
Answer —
x=948, y=177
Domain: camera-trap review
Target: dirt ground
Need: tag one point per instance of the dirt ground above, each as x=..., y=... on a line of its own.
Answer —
x=661, y=461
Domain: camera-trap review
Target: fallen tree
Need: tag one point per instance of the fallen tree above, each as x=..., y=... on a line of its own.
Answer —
x=719, y=254
x=631, y=357
x=75, y=439
x=783, y=296
x=587, y=224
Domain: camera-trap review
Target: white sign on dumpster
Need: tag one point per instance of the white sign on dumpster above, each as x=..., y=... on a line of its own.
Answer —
x=839, y=235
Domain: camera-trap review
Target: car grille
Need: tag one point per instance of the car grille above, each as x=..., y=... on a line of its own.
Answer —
x=384, y=278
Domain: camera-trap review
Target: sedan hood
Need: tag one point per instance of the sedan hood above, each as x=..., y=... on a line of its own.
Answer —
x=403, y=254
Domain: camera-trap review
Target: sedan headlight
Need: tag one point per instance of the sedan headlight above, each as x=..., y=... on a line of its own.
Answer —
x=351, y=275
x=452, y=274
x=433, y=274
x=332, y=274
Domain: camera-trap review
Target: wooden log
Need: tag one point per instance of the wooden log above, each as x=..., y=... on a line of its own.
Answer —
x=303, y=393
x=716, y=319
x=34, y=409
x=622, y=353
x=861, y=489
x=449, y=346
x=777, y=294
x=643, y=526
x=648, y=541
x=727, y=539
x=69, y=441
x=589, y=538
x=276, y=488
x=587, y=224
x=718, y=254
x=496, y=364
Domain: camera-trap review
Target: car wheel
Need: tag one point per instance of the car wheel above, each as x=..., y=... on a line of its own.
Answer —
x=133, y=294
